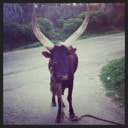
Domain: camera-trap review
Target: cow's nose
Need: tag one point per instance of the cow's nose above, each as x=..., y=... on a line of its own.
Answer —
x=64, y=77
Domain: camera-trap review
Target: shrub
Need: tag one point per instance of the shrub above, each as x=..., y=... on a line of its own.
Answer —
x=57, y=34
x=98, y=21
x=81, y=15
x=119, y=21
x=46, y=26
x=60, y=22
x=71, y=24
x=113, y=77
x=17, y=35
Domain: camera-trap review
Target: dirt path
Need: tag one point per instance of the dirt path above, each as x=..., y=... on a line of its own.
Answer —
x=27, y=98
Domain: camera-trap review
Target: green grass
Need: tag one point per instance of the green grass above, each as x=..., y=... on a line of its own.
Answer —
x=90, y=35
x=33, y=45
x=112, y=76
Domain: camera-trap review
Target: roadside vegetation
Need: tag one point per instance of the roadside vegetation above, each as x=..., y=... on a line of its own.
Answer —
x=20, y=36
x=112, y=76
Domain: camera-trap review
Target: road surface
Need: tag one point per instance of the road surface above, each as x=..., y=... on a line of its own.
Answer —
x=26, y=90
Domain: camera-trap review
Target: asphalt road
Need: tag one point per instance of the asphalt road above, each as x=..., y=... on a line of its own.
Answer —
x=26, y=90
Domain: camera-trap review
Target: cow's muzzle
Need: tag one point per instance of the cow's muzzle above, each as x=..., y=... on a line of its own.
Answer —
x=60, y=78
x=64, y=77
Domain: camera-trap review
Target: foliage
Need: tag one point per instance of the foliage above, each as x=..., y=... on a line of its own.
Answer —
x=32, y=45
x=99, y=22
x=113, y=77
x=46, y=24
x=119, y=21
x=56, y=34
x=17, y=35
x=60, y=22
x=71, y=24
x=81, y=15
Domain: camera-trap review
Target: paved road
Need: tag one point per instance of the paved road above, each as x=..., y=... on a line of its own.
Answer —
x=26, y=90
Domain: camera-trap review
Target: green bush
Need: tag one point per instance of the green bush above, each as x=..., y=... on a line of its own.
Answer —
x=81, y=15
x=71, y=24
x=17, y=35
x=46, y=26
x=99, y=22
x=60, y=22
x=113, y=77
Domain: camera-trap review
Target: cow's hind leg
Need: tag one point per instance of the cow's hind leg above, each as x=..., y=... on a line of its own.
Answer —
x=54, y=101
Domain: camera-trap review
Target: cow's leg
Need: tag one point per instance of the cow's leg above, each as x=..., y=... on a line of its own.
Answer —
x=63, y=105
x=60, y=114
x=69, y=98
x=53, y=100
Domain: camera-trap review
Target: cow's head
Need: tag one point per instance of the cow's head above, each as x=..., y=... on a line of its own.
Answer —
x=58, y=53
x=58, y=61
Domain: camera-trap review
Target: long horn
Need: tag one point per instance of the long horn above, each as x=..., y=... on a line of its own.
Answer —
x=79, y=31
x=39, y=35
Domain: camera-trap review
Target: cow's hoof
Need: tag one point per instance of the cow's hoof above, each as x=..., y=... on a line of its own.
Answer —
x=53, y=104
x=74, y=117
x=58, y=120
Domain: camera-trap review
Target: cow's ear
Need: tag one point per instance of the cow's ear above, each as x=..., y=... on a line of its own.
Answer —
x=46, y=54
x=71, y=51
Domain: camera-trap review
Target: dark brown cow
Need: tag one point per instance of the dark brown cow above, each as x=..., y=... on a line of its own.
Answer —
x=63, y=63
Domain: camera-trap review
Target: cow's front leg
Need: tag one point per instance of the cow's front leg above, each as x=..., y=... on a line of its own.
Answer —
x=53, y=100
x=72, y=115
x=60, y=114
x=69, y=98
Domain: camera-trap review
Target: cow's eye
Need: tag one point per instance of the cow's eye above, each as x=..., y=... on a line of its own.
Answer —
x=54, y=61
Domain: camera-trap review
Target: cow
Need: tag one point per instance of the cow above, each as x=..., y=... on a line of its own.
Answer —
x=63, y=63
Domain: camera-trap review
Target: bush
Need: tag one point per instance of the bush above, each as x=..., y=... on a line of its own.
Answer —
x=17, y=35
x=119, y=21
x=46, y=26
x=60, y=22
x=70, y=25
x=113, y=78
x=81, y=15
x=98, y=21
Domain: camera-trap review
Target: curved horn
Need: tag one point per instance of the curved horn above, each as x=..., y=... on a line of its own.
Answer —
x=39, y=35
x=79, y=31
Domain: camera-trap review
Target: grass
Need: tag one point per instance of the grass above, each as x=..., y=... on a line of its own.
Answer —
x=112, y=76
x=33, y=45
x=93, y=34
